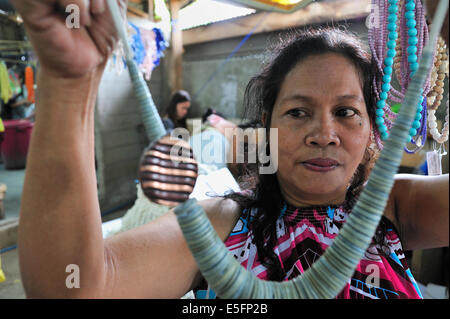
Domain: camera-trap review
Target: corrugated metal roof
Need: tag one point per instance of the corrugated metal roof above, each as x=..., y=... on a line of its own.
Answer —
x=204, y=12
x=275, y=5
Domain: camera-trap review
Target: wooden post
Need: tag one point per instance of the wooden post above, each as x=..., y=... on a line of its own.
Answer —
x=176, y=61
x=151, y=9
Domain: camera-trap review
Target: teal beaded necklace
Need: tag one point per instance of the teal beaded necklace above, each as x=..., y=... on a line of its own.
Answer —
x=391, y=44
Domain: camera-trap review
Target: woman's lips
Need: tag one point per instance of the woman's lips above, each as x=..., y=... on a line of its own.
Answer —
x=320, y=164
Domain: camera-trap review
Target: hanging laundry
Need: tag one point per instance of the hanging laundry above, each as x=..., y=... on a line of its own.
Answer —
x=29, y=83
x=147, y=46
x=2, y=274
x=137, y=45
x=16, y=87
x=147, y=66
x=161, y=45
x=6, y=92
x=154, y=44
x=2, y=127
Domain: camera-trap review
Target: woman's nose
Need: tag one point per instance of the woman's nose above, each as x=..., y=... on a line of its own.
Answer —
x=322, y=133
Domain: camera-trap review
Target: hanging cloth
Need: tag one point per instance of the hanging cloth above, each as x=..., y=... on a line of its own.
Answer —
x=29, y=83
x=2, y=274
x=15, y=83
x=5, y=84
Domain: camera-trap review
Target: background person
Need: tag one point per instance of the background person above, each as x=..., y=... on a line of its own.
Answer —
x=177, y=110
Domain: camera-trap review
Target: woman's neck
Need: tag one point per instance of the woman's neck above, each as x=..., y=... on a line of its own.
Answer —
x=313, y=200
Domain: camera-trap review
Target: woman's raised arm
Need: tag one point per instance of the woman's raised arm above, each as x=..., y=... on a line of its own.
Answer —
x=60, y=220
x=422, y=210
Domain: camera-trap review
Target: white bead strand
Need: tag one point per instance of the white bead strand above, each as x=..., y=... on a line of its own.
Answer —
x=432, y=124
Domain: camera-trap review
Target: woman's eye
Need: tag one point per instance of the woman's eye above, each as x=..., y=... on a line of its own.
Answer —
x=296, y=112
x=346, y=112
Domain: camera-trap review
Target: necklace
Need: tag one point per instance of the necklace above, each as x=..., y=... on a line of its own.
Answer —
x=438, y=137
x=404, y=46
x=440, y=70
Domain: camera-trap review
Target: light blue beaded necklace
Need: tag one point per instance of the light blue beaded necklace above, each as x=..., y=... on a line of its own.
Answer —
x=391, y=44
x=412, y=58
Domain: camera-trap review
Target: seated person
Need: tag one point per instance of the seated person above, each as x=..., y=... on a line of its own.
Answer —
x=176, y=112
x=211, y=145
x=16, y=108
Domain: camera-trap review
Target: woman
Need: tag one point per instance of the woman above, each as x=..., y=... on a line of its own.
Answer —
x=176, y=112
x=324, y=119
x=317, y=92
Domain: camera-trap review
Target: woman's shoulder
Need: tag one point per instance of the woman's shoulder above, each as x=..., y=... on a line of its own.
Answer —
x=168, y=124
x=223, y=214
x=406, y=190
x=407, y=196
x=391, y=212
x=420, y=209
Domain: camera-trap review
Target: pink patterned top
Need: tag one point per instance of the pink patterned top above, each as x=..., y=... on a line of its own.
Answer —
x=305, y=233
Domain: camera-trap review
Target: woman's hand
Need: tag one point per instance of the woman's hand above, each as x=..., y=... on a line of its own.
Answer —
x=66, y=52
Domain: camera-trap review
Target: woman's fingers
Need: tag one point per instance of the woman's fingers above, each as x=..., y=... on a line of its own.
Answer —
x=103, y=31
x=98, y=6
x=104, y=39
x=70, y=50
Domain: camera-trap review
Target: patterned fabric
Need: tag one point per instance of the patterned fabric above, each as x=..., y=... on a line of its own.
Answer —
x=303, y=236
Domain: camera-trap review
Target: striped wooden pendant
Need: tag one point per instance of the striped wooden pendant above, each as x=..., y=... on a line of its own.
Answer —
x=168, y=171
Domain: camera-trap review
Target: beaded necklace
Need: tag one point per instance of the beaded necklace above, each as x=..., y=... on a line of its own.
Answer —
x=436, y=94
x=397, y=50
x=440, y=69
x=443, y=137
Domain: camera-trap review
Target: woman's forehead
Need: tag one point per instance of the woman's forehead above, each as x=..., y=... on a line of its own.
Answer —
x=321, y=76
x=184, y=104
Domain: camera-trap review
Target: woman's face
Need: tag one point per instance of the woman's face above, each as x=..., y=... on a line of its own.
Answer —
x=182, y=109
x=323, y=129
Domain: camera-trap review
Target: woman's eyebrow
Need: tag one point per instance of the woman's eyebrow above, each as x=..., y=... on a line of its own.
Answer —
x=298, y=97
x=309, y=99
x=351, y=97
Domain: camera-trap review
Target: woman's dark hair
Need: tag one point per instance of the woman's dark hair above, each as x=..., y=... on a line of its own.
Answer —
x=260, y=96
x=251, y=124
x=171, y=110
